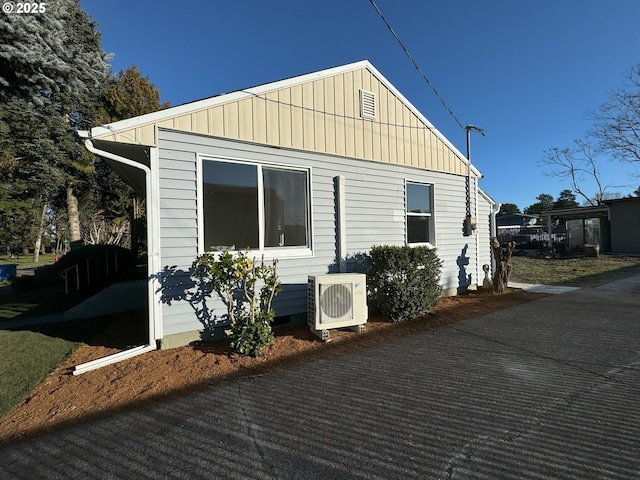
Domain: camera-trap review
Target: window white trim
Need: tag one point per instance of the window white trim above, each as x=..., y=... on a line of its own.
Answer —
x=431, y=215
x=269, y=252
x=261, y=228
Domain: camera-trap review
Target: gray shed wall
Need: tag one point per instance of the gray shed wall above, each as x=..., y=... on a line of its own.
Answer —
x=625, y=226
x=375, y=215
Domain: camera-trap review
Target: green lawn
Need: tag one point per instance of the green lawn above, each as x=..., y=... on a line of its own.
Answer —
x=31, y=303
x=26, y=261
x=575, y=272
x=27, y=358
x=31, y=353
x=28, y=355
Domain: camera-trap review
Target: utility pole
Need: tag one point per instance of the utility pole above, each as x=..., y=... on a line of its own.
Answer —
x=469, y=221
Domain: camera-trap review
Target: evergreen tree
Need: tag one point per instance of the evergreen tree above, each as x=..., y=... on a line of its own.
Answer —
x=545, y=202
x=508, y=208
x=128, y=95
x=52, y=67
x=49, y=56
x=566, y=199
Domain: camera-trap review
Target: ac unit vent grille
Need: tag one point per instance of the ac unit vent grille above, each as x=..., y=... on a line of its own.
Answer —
x=336, y=302
x=367, y=105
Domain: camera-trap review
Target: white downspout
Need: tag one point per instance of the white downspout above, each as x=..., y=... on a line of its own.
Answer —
x=477, y=234
x=152, y=268
x=341, y=241
x=494, y=211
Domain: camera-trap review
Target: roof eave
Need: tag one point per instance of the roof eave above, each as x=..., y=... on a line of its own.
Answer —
x=191, y=107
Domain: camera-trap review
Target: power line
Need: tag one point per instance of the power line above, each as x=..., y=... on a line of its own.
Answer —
x=415, y=64
x=421, y=126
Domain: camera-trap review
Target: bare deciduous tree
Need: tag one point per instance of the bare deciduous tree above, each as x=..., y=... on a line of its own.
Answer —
x=617, y=122
x=615, y=134
x=578, y=165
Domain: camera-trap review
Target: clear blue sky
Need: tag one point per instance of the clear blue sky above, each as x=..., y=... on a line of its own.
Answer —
x=524, y=71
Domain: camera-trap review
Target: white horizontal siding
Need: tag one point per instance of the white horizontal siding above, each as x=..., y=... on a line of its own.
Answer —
x=484, y=234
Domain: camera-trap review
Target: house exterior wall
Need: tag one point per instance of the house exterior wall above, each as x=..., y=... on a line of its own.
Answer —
x=374, y=211
x=484, y=235
x=319, y=113
x=624, y=218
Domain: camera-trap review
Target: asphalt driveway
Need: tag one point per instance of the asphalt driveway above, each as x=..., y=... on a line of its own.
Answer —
x=548, y=389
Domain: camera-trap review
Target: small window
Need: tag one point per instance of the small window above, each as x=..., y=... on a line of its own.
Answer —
x=253, y=206
x=419, y=213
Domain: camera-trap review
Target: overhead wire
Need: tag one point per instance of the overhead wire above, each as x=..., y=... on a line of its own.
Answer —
x=421, y=126
x=406, y=51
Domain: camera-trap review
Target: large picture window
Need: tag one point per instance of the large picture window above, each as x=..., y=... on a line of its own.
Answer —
x=419, y=213
x=254, y=206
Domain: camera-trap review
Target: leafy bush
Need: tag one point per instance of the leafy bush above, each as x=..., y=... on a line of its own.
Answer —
x=247, y=289
x=404, y=282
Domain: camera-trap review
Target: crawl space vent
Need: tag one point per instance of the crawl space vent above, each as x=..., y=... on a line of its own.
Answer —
x=367, y=105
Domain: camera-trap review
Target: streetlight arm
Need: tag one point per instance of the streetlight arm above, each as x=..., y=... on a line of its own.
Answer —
x=469, y=128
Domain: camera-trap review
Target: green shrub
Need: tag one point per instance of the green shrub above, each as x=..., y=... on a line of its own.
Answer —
x=247, y=289
x=404, y=282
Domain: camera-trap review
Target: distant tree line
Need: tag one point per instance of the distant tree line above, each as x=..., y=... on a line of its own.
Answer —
x=55, y=79
x=566, y=199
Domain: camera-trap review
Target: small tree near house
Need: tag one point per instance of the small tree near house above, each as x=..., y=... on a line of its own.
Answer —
x=247, y=289
x=503, y=269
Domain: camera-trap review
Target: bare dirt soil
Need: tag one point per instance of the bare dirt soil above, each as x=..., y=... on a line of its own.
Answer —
x=63, y=399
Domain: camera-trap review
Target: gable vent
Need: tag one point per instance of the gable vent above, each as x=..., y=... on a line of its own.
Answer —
x=367, y=105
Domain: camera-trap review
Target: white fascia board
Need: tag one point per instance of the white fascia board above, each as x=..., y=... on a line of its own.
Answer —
x=486, y=196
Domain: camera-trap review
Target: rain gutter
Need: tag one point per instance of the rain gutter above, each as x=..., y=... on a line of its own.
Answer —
x=152, y=267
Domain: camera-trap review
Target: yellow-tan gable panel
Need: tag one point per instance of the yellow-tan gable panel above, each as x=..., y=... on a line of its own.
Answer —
x=321, y=115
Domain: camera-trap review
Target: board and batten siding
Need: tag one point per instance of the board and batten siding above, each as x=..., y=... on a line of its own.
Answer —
x=320, y=114
x=374, y=211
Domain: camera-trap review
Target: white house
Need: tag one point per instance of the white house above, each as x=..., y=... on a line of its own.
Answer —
x=311, y=170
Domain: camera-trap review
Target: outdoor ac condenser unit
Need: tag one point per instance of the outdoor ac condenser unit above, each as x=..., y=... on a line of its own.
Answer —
x=335, y=301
